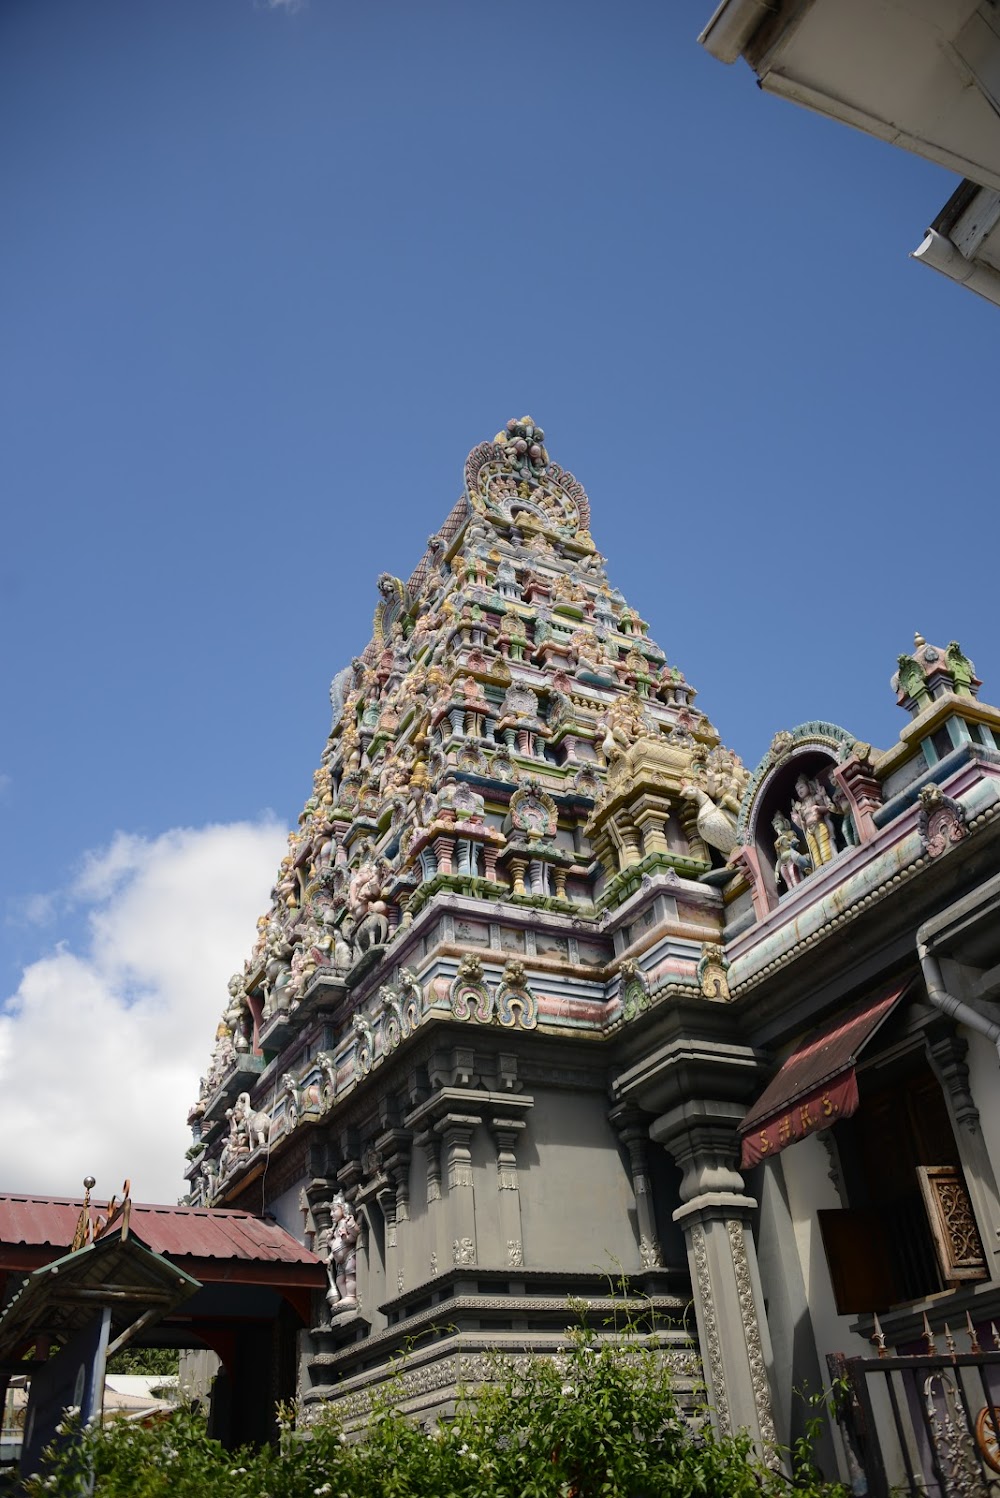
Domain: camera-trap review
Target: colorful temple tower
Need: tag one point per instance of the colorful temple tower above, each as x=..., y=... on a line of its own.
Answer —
x=550, y=983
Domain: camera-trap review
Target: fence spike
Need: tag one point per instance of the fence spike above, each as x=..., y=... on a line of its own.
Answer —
x=971, y=1329
x=929, y=1338
x=950, y=1341
x=878, y=1336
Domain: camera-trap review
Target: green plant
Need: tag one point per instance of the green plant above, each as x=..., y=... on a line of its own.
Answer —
x=602, y=1420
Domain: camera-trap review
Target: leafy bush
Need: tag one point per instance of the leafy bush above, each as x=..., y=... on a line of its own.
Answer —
x=602, y=1421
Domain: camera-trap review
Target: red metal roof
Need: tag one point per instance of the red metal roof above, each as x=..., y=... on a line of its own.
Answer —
x=193, y=1232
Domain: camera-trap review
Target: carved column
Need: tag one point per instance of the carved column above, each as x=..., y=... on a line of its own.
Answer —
x=628, y=838
x=633, y=1131
x=947, y=1051
x=395, y=1147
x=729, y=1305
x=859, y=783
x=506, y=1132
x=439, y=1260
x=762, y=887
x=650, y=818
x=456, y=1131
x=444, y=849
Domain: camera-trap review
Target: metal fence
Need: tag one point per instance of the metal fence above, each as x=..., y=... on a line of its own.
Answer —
x=927, y=1424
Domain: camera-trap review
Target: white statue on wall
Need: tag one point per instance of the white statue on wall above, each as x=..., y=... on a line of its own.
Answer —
x=338, y=1248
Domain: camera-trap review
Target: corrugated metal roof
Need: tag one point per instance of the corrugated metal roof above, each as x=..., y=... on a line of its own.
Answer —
x=198, y=1232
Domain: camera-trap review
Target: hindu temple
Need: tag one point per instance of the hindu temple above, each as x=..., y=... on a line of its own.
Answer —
x=555, y=998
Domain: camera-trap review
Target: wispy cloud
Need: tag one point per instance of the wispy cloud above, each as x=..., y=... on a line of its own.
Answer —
x=101, y=1048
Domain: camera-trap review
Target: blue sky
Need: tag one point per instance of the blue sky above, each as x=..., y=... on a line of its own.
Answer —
x=270, y=272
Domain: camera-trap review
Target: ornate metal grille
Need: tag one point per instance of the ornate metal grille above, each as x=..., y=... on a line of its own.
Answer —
x=927, y=1425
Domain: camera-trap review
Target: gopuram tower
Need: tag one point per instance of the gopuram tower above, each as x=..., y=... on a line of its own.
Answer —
x=492, y=961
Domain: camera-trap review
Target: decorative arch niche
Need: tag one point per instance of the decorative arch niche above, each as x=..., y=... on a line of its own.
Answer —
x=823, y=820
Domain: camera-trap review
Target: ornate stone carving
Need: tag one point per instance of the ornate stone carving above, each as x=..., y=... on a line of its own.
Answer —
x=533, y=811
x=517, y=1006
x=515, y=1254
x=940, y=821
x=512, y=478
x=327, y=1064
x=364, y=1044
x=812, y=812
x=751, y=1332
x=463, y=1252
x=790, y=864
x=634, y=992
x=250, y=1127
x=470, y=994
x=713, y=966
x=336, y=1246
x=650, y=1256
x=930, y=671
x=713, y=1347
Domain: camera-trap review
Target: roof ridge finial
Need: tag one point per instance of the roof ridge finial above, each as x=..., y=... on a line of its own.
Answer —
x=918, y=640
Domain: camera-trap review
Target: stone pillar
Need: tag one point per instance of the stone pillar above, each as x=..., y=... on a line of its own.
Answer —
x=439, y=1259
x=505, y=1133
x=444, y=849
x=456, y=1130
x=729, y=1305
x=633, y=1132
x=394, y=1146
x=628, y=837
x=650, y=819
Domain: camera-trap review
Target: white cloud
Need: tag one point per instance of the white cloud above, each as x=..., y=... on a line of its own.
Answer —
x=101, y=1050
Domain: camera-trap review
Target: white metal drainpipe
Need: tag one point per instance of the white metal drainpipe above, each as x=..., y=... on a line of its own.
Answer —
x=939, y=996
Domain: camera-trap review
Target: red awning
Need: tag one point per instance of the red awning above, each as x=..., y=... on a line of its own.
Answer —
x=817, y=1084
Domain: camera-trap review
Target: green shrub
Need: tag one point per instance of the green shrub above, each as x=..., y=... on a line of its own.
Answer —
x=601, y=1421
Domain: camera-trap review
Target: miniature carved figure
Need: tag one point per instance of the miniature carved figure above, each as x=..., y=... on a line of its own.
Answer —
x=366, y=903
x=249, y=1125
x=716, y=827
x=812, y=813
x=338, y=1247
x=790, y=864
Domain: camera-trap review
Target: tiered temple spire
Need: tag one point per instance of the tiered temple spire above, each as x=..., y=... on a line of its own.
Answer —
x=509, y=719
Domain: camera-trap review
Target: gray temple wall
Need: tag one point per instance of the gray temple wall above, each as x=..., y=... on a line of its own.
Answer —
x=576, y=1197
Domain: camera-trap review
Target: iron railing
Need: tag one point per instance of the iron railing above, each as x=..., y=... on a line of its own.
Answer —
x=926, y=1425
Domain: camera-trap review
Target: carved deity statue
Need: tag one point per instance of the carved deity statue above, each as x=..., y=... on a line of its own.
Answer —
x=366, y=903
x=790, y=864
x=338, y=1248
x=813, y=812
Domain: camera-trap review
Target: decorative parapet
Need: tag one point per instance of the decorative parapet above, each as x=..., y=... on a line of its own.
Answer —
x=841, y=893
x=931, y=672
